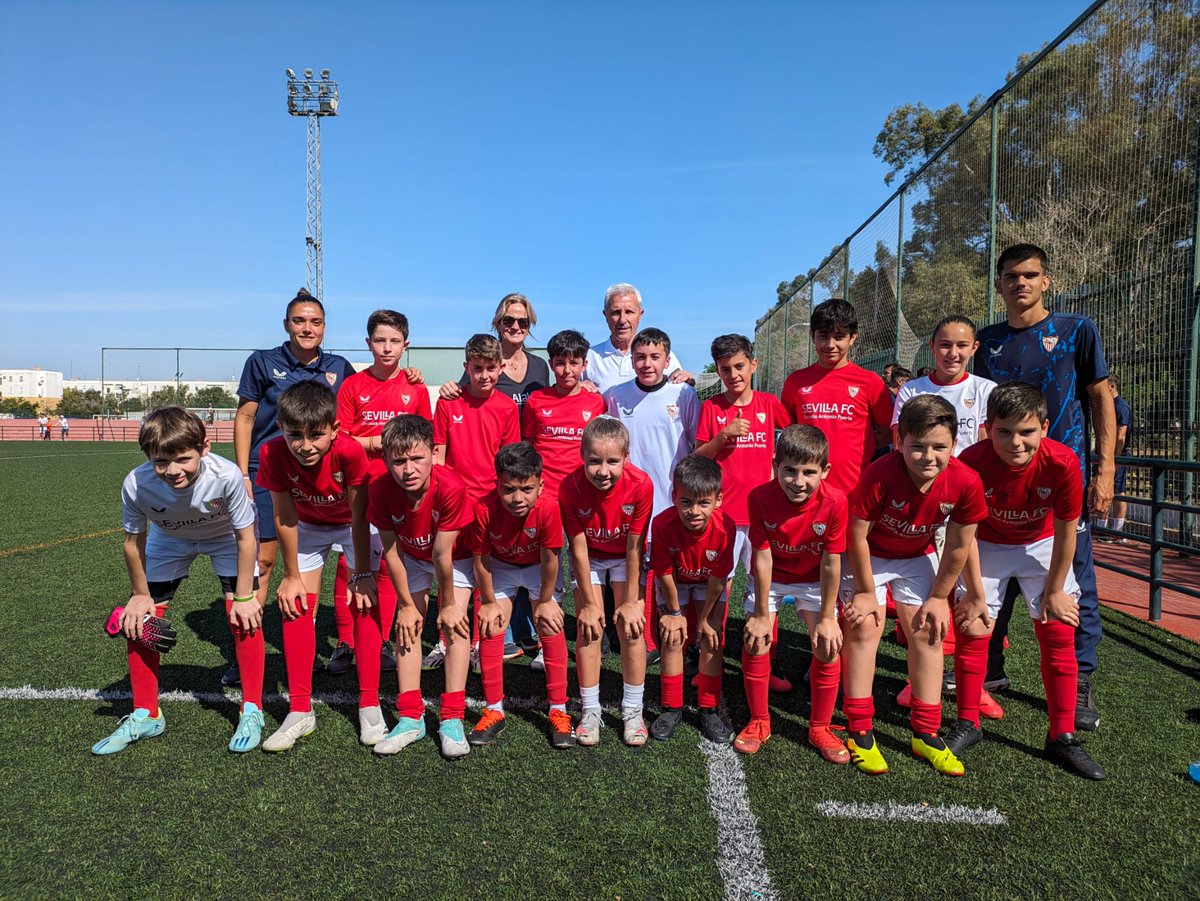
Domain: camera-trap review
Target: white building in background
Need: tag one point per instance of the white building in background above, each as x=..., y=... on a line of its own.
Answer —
x=143, y=388
x=40, y=386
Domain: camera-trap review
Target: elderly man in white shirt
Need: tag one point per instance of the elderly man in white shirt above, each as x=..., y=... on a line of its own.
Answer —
x=610, y=362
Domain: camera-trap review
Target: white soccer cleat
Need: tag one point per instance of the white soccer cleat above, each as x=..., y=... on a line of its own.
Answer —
x=293, y=728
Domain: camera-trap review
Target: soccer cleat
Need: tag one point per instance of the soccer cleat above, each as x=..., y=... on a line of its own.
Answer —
x=753, y=737
x=962, y=735
x=232, y=676
x=562, y=734
x=691, y=660
x=779, y=684
x=1068, y=753
x=865, y=754
x=605, y=645
x=293, y=728
x=666, y=724
x=1087, y=717
x=490, y=725
x=248, y=734
x=476, y=665
x=387, y=658
x=134, y=727
x=512, y=651
x=587, y=733
x=949, y=683
x=436, y=656
x=371, y=726
x=996, y=681
x=454, y=743
x=988, y=708
x=403, y=734
x=828, y=744
x=940, y=758
x=318, y=665
x=1194, y=772
x=538, y=664
x=714, y=728
x=340, y=660
x=530, y=645
x=652, y=657
x=904, y=699
x=635, y=732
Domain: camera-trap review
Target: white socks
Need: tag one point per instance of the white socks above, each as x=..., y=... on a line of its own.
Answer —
x=631, y=697
x=590, y=697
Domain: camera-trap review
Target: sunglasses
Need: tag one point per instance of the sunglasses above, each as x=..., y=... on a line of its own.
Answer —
x=510, y=321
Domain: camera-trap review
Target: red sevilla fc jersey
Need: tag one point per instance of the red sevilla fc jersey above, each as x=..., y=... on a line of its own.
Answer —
x=692, y=557
x=799, y=535
x=443, y=508
x=746, y=460
x=907, y=520
x=846, y=404
x=555, y=425
x=473, y=429
x=1023, y=503
x=366, y=404
x=606, y=519
x=319, y=493
x=513, y=540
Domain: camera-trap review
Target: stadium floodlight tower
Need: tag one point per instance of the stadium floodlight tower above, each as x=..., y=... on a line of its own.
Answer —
x=313, y=99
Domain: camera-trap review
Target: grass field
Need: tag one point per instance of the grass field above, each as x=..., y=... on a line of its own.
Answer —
x=181, y=817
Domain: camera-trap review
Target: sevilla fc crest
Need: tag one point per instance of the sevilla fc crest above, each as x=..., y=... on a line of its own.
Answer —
x=627, y=509
x=331, y=377
x=762, y=417
x=945, y=508
x=217, y=505
x=1049, y=342
x=819, y=528
x=406, y=398
x=1043, y=493
x=853, y=389
x=530, y=531
x=673, y=411
x=587, y=415
x=338, y=477
x=968, y=402
x=711, y=555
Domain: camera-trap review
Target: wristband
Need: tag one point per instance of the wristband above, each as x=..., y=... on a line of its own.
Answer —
x=358, y=577
x=673, y=612
x=246, y=599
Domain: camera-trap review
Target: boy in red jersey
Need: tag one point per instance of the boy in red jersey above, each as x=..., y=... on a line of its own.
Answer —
x=317, y=478
x=1034, y=499
x=691, y=556
x=737, y=429
x=421, y=511
x=468, y=430
x=519, y=537
x=849, y=404
x=606, y=506
x=554, y=417
x=798, y=533
x=894, y=515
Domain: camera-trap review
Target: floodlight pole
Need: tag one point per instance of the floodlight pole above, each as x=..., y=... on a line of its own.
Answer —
x=312, y=100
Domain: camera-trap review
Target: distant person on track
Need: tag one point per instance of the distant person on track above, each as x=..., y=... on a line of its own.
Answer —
x=44, y=427
x=64, y=427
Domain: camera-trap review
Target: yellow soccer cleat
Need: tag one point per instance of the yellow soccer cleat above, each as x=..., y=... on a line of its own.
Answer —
x=867, y=758
x=941, y=759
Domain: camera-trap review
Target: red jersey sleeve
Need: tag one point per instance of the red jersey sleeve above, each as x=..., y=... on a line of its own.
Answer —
x=972, y=505
x=787, y=398
x=839, y=524
x=347, y=413
x=550, y=529
x=528, y=422
x=454, y=512
x=723, y=565
x=354, y=462
x=378, y=512
x=867, y=500
x=1068, y=500
x=482, y=543
x=424, y=407
x=441, y=423
x=779, y=412
x=567, y=506
x=758, y=534
x=881, y=405
x=660, y=558
x=512, y=427
x=271, y=474
x=643, y=506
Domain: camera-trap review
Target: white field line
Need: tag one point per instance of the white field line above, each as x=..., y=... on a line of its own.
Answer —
x=913, y=813
x=131, y=451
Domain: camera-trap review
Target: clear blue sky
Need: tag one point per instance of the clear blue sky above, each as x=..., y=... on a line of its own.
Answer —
x=152, y=183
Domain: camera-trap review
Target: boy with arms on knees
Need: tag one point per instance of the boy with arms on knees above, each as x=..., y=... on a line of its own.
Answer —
x=894, y=514
x=1034, y=500
x=519, y=537
x=606, y=506
x=197, y=505
x=691, y=557
x=317, y=477
x=421, y=511
x=798, y=533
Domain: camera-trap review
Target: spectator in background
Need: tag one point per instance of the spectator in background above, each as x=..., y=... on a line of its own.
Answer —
x=1116, y=514
x=44, y=427
x=924, y=371
x=64, y=427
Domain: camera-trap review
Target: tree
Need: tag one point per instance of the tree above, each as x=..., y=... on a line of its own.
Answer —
x=20, y=409
x=213, y=396
x=169, y=396
x=80, y=404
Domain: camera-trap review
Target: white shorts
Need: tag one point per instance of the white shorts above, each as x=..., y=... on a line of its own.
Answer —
x=742, y=550
x=168, y=558
x=807, y=595
x=688, y=592
x=508, y=579
x=420, y=574
x=603, y=571
x=911, y=580
x=1028, y=564
x=314, y=542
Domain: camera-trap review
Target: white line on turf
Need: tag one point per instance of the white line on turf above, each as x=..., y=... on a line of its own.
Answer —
x=913, y=813
x=132, y=451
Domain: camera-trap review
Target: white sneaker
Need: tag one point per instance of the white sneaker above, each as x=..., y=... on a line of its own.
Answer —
x=293, y=728
x=635, y=728
x=539, y=662
x=587, y=733
x=371, y=727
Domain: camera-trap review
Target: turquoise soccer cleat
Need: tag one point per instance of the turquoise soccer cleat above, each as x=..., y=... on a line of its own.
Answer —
x=135, y=727
x=249, y=730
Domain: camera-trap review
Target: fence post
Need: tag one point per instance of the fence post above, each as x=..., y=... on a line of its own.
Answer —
x=994, y=168
x=1158, y=477
x=767, y=380
x=1189, y=449
x=899, y=271
x=846, y=272
x=103, y=391
x=787, y=333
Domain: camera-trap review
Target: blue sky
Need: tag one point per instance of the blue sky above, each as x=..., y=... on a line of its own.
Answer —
x=152, y=183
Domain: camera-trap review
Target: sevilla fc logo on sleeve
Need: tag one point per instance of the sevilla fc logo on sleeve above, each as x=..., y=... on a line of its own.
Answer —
x=853, y=389
x=331, y=377
x=1049, y=342
x=819, y=528
x=217, y=505
x=945, y=508
x=627, y=509
x=711, y=555
x=1043, y=493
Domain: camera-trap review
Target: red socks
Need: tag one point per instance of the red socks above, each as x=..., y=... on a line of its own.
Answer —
x=672, y=691
x=369, y=629
x=554, y=655
x=1060, y=673
x=342, y=618
x=823, y=679
x=143, y=671
x=708, y=690
x=970, y=665
x=454, y=703
x=411, y=704
x=860, y=713
x=925, y=718
x=756, y=674
x=491, y=664
x=299, y=652
x=251, y=652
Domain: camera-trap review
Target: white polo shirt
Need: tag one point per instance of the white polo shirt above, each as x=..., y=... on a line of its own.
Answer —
x=607, y=367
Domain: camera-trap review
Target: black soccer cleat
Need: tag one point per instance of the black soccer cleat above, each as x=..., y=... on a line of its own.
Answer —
x=387, y=658
x=340, y=660
x=713, y=727
x=962, y=735
x=1068, y=753
x=666, y=724
x=652, y=657
x=232, y=676
x=691, y=661
x=1087, y=717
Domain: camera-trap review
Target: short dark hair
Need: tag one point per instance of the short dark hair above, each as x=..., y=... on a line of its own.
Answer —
x=568, y=343
x=307, y=406
x=483, y=346
x=1016, y=399
x=605, y=428
x=652, y=336
x=398, y=321
x=518, y=460
x=802, y=444
x=1019, y=253
x=832, y=315
x=727, y=345
x=1115, y=382
x=404, y=432
x=952, y=320
x=302, y=296
x=698, y=476
x=168, y=431
x=898, y=372
x=924, y=413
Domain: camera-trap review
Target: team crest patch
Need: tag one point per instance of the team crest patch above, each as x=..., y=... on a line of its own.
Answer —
x=673, y=411
x=331, y=377
x=530, y=531
x=217, y=505
x=338, y=477
x=587, y=415
x=1043, y=493
x=819, y=528
x=762, y=417
x=711, y=555
x=406, y=398
x=968, y=402
x=945, y=508
x=1049, y=342
x=627, y=509
x=853, y=389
